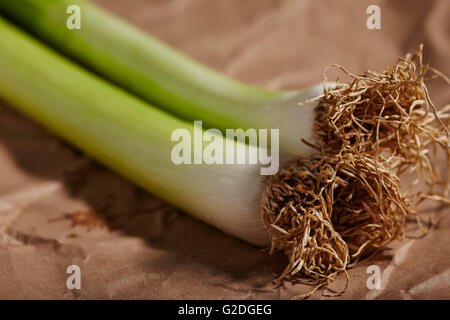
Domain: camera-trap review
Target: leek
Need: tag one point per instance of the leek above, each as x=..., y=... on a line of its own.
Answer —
x=127, y=135
x=300, y=206
x=158, y=74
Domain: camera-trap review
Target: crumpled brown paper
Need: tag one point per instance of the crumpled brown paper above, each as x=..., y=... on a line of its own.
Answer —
x=59, y=208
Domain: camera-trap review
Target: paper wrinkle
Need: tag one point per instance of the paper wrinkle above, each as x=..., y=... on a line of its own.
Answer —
x=399, y=257
x=248, y=45
x=440, y=281
x=26, y=196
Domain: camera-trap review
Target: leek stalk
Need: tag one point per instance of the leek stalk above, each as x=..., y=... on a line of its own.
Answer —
x=126, y=134
x=160, y=75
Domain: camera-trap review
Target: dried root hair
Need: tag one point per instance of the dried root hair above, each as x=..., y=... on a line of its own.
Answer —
x=391, y=114
x=329, y=211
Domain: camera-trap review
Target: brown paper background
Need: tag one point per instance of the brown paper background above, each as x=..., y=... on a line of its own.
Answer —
x=136, y=246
